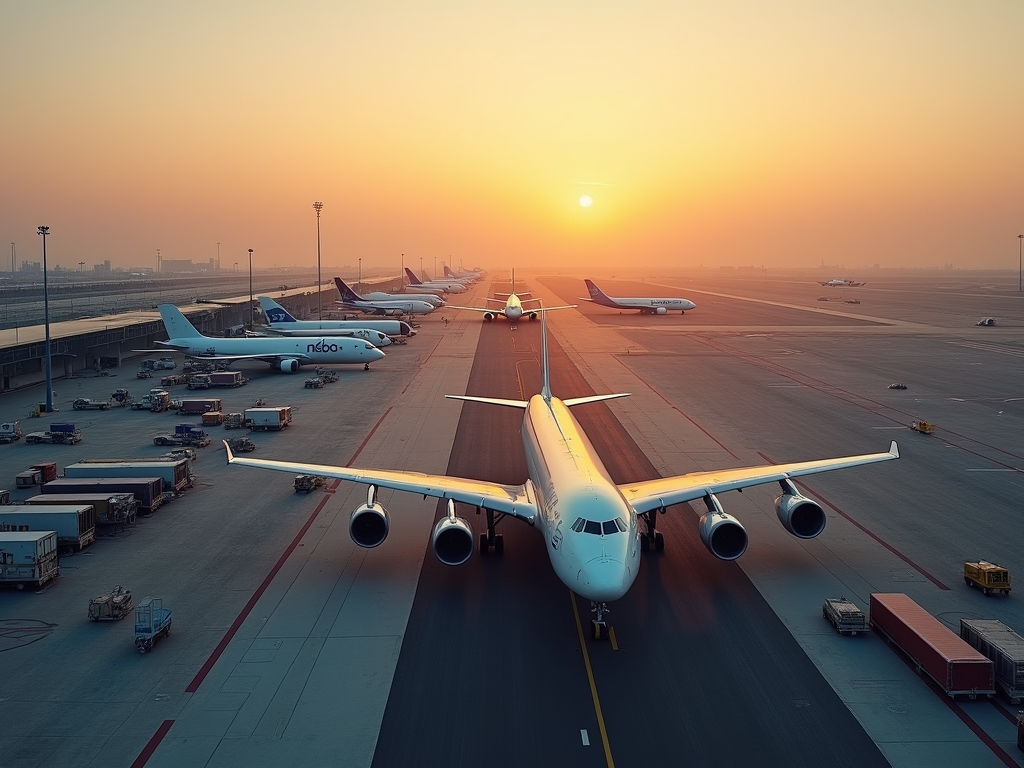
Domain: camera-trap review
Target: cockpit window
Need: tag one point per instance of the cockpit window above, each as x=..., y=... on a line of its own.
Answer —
x=606, y=528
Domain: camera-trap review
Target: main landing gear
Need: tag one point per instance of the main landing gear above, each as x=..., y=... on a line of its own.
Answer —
x=652, y=535
x=489, y=538
x=599, y=624
x=366, y=366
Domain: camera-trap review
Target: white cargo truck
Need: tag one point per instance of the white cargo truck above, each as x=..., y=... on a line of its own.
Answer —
x=28, y=558
x=176, y=473
x=271, y=418
x=75, y=525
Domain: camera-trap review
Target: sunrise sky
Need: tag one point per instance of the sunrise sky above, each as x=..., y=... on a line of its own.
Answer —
x=788, y=133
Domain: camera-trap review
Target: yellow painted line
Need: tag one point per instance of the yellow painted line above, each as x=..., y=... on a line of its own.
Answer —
x=611, y=638
x=593, y=684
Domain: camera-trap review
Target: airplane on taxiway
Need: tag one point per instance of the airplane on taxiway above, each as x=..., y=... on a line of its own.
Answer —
x=396, y=306
x=281, y=323
x=462, y=277
x=646, y=306
x=512, y=307
x=448, y=286
x=285, y=353
x=841, y=283
x=591, y=526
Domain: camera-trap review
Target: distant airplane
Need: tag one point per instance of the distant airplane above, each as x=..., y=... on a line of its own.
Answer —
x=646, y=306
x=429, y=297
x=512, y=306
x=841, y=283
x=280, y=323
x=352, y=300
x=472, y=275
x=590, y=525
x=285, y=353
x=449, y=286
x=281, y=320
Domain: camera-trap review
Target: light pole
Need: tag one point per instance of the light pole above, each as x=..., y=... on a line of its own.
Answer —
x=250, y=289
x=1020, y=263
x=359, y=282
x=44, y=231
x=318, y=206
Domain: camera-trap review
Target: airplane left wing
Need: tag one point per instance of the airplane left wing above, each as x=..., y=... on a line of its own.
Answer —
x=515, y=500
x=652, y=494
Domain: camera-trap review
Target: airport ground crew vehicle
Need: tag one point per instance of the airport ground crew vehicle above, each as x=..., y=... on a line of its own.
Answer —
x=60, y=434
x=152, y=621
x=844, y=615
x=111, y=607
x=307, y=483
x=922, y=426
x=242, y=445
x=234, y=421
x=10, y=431
x=988, y=576
x=184, y=434
x=156, y=400
x=121, y=398
x=85, y=404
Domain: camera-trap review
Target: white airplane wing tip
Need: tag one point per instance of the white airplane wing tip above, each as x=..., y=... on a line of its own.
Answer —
x=894, y=450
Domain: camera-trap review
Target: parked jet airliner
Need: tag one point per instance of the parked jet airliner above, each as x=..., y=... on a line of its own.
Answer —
x=841, y=283
x=352, y=300
x=282, y=323
x=449, y=286
x=512, y=306
x=646, y=306
x=591, y=526
x=285, y=353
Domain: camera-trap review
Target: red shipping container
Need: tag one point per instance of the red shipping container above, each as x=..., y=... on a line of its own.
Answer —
x=933, y=647
x=47, y=470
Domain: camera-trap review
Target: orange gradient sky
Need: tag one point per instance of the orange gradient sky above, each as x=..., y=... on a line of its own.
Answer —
x=792, y=133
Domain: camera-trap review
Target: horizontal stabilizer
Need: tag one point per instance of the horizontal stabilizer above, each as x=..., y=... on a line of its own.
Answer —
x=593, y=398
x=490, y=400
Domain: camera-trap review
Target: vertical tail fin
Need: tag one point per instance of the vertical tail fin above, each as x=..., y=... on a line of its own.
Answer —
x=413, y=280
x=347, y=294
x=176, y=324
x=545, y=389
x=513, y=279
x=274, y=312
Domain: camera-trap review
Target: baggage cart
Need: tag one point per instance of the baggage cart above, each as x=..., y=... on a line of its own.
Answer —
x=152, y=621
x=846, y=617
x=111, y=607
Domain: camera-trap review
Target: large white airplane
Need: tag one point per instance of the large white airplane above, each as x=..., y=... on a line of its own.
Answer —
x=430, y=298
x=284, y=353
x=281, y=323
x=591, y=526
x=352, y=300
x=646, y=306
x=841, y=283
x=512, y=306
x=449, y=286
x=472, y=276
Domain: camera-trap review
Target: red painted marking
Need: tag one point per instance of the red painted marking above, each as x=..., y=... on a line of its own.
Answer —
x=152, y=744
x=987, y=740
x=868, y=531
x=1012, y=717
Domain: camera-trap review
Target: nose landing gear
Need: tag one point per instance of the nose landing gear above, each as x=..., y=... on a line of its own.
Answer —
x=599, y=624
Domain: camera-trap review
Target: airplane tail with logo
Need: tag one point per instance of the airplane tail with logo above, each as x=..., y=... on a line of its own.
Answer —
x=413, y=280
x=274, y=312
x=596, y=294
x=448, y=273
x=176, y=324
x=347, y=294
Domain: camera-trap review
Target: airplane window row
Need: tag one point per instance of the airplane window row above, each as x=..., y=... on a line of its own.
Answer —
x=607, y=527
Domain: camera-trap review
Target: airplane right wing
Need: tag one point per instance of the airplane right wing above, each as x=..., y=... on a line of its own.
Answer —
x=515, y=500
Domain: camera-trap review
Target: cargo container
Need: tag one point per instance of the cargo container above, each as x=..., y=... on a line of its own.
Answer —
x=933, y=648
x=212, y=418
x=28, y=478
x=75, y=525
x=234, y=421
x=111, y=508
x=28, y=558
x=198, y=405
x=148, y=491
x=227, y=379
x=176, y=473
x=1004, y=647
x=47, y=470
x=272, y=418
x=844, y=615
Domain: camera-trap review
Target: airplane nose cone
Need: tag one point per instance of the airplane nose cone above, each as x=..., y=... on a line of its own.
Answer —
x=373, y=353
x=690, y=305
x=603, y=579
x=514, y=313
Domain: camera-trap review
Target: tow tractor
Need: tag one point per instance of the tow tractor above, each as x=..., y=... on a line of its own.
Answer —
x=922, y=426
x=241, y=445
x=306, y=483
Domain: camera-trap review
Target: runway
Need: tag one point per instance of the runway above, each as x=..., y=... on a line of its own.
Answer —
x=385, y=657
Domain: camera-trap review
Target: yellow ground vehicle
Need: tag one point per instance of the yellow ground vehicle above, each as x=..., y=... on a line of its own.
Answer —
x=922, y=426
x=990, y=577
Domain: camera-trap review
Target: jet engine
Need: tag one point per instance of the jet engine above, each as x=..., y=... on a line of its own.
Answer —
x=660, y=311
x=533, y=315
x=289, y=365
x=799, y=515
x=453, y=538
x=722, y=534
x=488, y=316
x=369, y=524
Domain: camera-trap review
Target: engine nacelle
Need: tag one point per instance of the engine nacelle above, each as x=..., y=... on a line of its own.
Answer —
x=488, y=316
x=660, y=311
x=533, y=315
x=722, y=534
x=289, y=365
x=369, y=525
x=799, y=515
x=453, y=539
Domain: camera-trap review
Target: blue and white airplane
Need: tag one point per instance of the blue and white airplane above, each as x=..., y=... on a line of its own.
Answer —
x=591, y=526
x=645, y=305
x=281, y=323
x=287, y=353
x=448, y=286
x=397, y=306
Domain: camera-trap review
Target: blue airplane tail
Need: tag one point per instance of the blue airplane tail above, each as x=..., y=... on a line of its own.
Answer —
x=274, y=312
x=347, y=294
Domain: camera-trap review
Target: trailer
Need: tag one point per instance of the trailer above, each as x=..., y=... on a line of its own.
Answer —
x=234, y=421
x=110, y=508
x=113, y=606
x=184, y=434
x=156, y=401
x=931, y=646
x=152, y=621
x=227, y=379
x=989, y=576
x=197, y=406
x=175, y=473
x=844, y=615
x=1004, y=647
x=173, y=379
x=47, y=470
x=148, y=491
x=269, y=418
x=28, y=558
x=75, y=525
x=28, y=478
x=85, y=404
x=212, y=418
x=59, y=433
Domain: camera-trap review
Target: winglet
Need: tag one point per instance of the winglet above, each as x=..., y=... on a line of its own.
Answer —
x=545, y=391
x=231, y=456
x=894, y=450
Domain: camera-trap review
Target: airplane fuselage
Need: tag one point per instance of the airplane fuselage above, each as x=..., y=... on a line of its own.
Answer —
x=430, y=298
x=308, y=327
x=651, y=305
x=316, y=349
x=600, y=558
x=390, y=307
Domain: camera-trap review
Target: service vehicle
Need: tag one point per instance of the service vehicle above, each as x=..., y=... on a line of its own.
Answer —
x=173, y=379
x=144, y=373
x=175, y=474
x=1005, y=647
x=28, y=558
x=315, y=383
x=85, y=404
x=152, y=621
x=10, y=431
x=148, y=491
x=234, y=421
x=113, y=606
x=181, y=453
x=934, y=649
x=199, y=381
x=988, y=576
x=59, y=434
x=242, y=445
x=156, y=400
x=227, y=379
x=922, y=426
x=192, y=436
x=121, y=398
x=307, y=483
x=273, y=418
x=844, y=615
x=196, y=406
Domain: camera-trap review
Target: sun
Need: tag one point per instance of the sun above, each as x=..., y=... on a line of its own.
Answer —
x=586, y=201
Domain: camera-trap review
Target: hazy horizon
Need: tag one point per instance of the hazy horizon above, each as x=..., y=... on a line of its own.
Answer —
x=736, y=133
